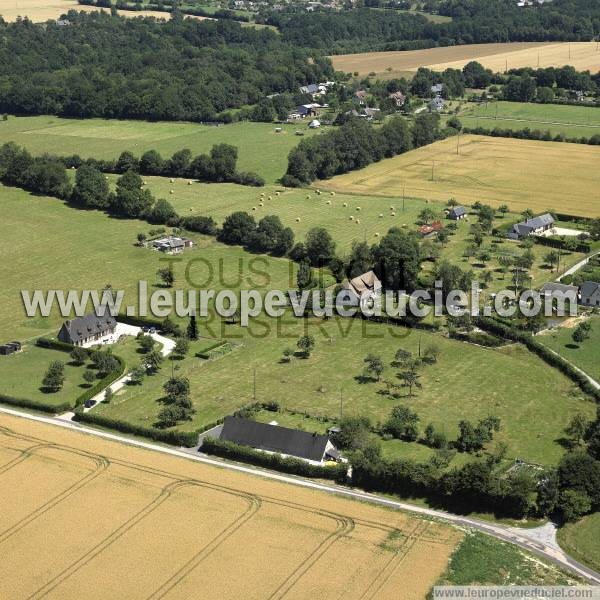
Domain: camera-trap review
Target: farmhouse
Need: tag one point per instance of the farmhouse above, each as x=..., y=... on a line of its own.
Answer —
x=310, y=89
x=311, y=447
x=438, y=88
x=561, y=293
x=437, y=104
x=360, y=96
x=85, y=330
x=534, y=226
x=172, y=244
x=363, y=287
x=314, y=124
x=590, y=293
x=456, y=213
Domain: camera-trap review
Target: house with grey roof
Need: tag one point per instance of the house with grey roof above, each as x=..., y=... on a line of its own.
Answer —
x=438, y=88
x=437, y=104
x=535, y=226
x=590, y=293
x=310, y=89
x=312, y=447
x=171, y=244
x=456, y=213
x=83, y=331
x=560, y=296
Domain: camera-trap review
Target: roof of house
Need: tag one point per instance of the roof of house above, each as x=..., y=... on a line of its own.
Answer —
x=82, y=328
x=426, y=229
x=367, y=282
x=437, y=88
x=536, y=222
x=549, y=288
x=274, y=438
x=360, y=94
x=589, y=288
x=458, y=211
x=312, y=88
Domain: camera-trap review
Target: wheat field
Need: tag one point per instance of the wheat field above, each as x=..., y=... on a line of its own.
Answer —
x=498, y=57
x=495, y=171
x=89, y=518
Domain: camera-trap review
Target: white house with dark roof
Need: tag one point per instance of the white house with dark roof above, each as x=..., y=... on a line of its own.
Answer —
x=456, y=213
x=535, y=226
x=314, y=448
x=84, y=331
x=590, y=293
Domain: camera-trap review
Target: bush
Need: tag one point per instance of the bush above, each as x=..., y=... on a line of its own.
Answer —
x=41, y=406
x=102, y=383
x=295, y=466
x=53, y=344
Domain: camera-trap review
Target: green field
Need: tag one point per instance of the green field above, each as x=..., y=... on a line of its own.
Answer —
x=585, y=355
x=572, y=121
x=580, y=540
x=261, y=149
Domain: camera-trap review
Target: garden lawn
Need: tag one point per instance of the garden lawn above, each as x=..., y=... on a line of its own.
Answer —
x=261, y=149
x=534, y=403
x=21, y=376
x=585, y=355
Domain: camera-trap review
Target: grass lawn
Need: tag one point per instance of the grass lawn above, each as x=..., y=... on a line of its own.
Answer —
x=580, y=540
x=572, y=121
x=261, y=149
x=534, y=403
x=21, y=375
x=48, y=245
x=585, y=355
x=493, y=171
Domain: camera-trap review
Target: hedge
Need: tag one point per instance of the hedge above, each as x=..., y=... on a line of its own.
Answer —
x=507, y=332
x=177, y=438
x=137, y=321
x=53, y=344
x=553, y=242
x=102, y=383
x=479, y=338
x=294, y=466
x=205, y=353
x=41, y=406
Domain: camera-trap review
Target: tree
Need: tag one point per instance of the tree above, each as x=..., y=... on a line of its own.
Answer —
x=320, y=247
x=288, y=354
x=79, y=355
x=176, y=388
x=431, y=353
x=108, y=395
x=354, y=434
x=137, y=375
x=192, y=328
x=426, y=215
x=180, y=162
x=162, y=213
x=89, y=377
x=398, y=260
x=167, y=276
x=410, y=378
x=581, y=332
x=306, y=345
x=552, y=258
x=153, y=361
x=105, y=363
x=54, y=378
x=360, y=260
x=373, y=366
x=182, y=347
x=237, y=228
x=151, y=163
x=146, y=343
x=577, y=428
x=403, y=424
x=130, y=199
x=304, y=275
x=91, y=188
x=141, y=238
x=224, y=159
x=127, y=162
x=573, y=504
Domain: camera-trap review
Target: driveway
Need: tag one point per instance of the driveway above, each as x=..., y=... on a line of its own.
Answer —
x=578, y=266
x=124, y=329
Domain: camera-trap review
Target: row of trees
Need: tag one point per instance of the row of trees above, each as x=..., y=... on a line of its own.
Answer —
x=354, y=145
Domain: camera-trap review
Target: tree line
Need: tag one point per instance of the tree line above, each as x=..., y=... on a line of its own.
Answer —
x=356, y=144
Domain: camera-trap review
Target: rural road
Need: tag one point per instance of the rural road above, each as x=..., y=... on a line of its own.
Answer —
x=540, y=541
x=578, y=266
x=528, y=121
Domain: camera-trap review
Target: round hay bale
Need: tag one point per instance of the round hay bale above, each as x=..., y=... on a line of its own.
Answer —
x=171, y=191
x=358, y=208
x=189, y=182
x=392, y=208
x=308, y=197
x=191, y=209
x=172, y=181
x=345, y=205
x=276, y=193
x=254, y=208
x=333, y=193
x=270, y=197
x=352, y=217
x=262, y=194
x=261, y=204
x=380, y=215
x=393, y=214
x=358, y=221
x=106, y=177
x=328, y=201
x=297, y=219
x=376, y=235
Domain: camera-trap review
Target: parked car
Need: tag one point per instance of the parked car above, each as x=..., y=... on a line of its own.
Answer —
x=89, y=403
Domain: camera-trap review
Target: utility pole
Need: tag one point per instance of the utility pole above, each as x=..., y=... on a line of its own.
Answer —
x=254, y=384
x=457, y=143
x=420, y=335
x=496, y=116
x=341, y=403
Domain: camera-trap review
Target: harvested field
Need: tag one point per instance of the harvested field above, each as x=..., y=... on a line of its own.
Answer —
x=520, y=173
x=39, y=11
x=114, y=521
x=498, y=57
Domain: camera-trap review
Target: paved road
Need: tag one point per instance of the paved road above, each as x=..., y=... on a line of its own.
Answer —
x=578, y=266
x=540, y=541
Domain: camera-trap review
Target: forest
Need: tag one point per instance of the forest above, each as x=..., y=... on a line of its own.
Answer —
x=473, y=21
x=103, y=66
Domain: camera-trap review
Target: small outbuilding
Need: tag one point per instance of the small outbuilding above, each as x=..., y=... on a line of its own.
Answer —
x=10, y=348
x=456, y=213
x=590, y=293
